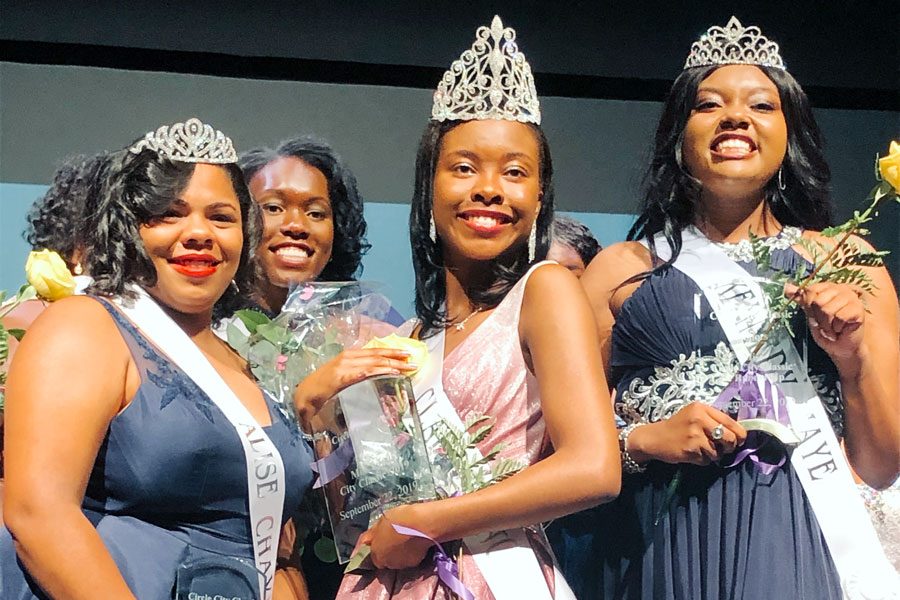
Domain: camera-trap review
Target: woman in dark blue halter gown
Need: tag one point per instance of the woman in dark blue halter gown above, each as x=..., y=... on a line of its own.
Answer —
x=114, y=483
x=737, y=149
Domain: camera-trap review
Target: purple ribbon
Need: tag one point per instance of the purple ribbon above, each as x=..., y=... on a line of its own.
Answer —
x=755, y=441
x=331, y=467
x=759, y=398
x=447, y=570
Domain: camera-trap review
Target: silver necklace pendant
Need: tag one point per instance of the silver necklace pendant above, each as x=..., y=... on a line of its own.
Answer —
x=462, y=324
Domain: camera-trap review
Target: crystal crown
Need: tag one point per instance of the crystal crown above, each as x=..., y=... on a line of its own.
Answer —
x=491, y=80
x=734, y=44
x=192, y=141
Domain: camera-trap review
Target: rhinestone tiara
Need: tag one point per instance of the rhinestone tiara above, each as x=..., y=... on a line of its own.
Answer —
x=734, y=44
x=490, y=80
x=192, y=141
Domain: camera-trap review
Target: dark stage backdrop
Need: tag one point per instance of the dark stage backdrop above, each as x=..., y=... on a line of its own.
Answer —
x=78, y=79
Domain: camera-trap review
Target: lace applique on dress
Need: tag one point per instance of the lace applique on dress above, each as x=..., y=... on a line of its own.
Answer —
x=696, y=378
x=691, y=378
x=884, y=510
x=160, y=372
x=177, y=385
x=743, y=251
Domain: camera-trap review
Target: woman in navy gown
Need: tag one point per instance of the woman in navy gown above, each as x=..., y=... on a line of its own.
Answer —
x=130, y=426
x=737, y=151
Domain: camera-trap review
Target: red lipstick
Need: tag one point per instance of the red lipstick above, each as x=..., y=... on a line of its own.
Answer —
x=195, y=265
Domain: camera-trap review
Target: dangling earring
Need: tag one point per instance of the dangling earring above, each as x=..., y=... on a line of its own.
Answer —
x=77, y=269
x=781, y=185
x=432, y=231
x=532, y=241
x=234, y=287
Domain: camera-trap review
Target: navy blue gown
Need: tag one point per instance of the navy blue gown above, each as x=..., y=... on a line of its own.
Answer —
x=170, y=482
x=732, y=534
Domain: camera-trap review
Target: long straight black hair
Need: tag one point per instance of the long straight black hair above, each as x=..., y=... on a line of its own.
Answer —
x=428, y=258
x=671, y=193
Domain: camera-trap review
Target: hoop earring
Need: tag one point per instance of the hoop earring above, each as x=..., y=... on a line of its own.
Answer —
x=781, y=185
x=432, y=231
x=234, y=286
x=532, y=241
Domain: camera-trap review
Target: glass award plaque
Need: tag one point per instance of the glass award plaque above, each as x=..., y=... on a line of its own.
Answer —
x=220, y=578
x=371, y=456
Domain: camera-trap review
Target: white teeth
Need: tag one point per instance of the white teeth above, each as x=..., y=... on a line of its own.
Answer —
x=485, y=221
x=292, y=251
x=733, y=144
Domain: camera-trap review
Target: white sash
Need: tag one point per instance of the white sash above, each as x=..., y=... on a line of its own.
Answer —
x=265, y=470
x=505, y=558
x=741, y=308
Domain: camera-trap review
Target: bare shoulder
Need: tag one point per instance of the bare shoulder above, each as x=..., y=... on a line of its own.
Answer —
x=549, y=281
x=76, y=322
x=550, y=292
x=617, y=263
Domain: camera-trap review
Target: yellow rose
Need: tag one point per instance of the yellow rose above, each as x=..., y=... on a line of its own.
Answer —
x=418, y=351
x=889, y=166
x=49, y=275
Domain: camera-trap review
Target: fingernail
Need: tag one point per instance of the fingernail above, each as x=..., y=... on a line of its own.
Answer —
x=813, y=324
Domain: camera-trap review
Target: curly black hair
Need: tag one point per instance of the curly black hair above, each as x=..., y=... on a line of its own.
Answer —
x=671, y=193
x=428, y=259
x=134, y=189
x=349, y=243
x=577, y=236
x=53, y=218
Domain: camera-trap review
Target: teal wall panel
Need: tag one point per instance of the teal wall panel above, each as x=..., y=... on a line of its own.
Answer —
x=388, y=262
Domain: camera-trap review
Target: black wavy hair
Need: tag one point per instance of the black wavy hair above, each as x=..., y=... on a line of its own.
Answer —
x=349, y=243
x=428, y=259
x=671, y=193
x=53, y=218
x=577, y=236
x=133, y=190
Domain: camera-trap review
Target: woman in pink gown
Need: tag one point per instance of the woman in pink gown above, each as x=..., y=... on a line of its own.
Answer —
x=516, y=342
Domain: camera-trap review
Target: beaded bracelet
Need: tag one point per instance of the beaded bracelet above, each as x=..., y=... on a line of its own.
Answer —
x=629, y=465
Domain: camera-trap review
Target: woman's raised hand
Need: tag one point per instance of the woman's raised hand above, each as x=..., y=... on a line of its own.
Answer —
x=836, y=316
x=687, y=437
x=345, y=369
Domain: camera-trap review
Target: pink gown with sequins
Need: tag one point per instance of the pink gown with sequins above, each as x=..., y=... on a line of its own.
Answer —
x=485, y=375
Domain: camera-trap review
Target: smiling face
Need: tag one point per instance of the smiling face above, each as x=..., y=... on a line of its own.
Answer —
x=298, y=231
x=736, y=137
x=486, y=189
x=195, y=246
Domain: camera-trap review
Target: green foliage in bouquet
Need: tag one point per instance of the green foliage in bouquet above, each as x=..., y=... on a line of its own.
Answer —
x=460, y=448
x=279, y=358
x=25, y=293
x=836, y=259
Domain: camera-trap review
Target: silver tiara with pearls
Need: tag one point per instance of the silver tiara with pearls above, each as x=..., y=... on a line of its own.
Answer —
x=734, y=44
x=490, y=80
x=192, y=141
